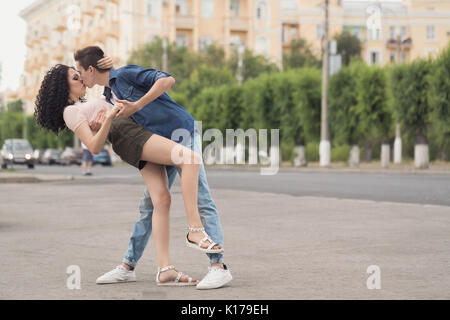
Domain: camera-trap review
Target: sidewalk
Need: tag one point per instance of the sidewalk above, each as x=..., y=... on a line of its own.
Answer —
x=277, y=246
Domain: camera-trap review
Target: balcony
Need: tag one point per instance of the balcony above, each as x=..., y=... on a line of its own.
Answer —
x=58, y=52
x=239, y=24
x=405, y=44
x=60, y=23
x=43, y=60
x=44, y=33
x=29, y=39
x=99, y=4
x=184, y=21
x=87, y=8
x=112, y=29
x=29, y=65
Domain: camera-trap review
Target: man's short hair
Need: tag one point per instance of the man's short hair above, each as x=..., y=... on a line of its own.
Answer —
x=89, y=56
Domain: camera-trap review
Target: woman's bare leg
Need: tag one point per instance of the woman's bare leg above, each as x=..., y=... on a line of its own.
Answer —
x=160, y=150
x=155, y=178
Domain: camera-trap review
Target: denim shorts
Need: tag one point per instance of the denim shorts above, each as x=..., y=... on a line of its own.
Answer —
x=127, y=139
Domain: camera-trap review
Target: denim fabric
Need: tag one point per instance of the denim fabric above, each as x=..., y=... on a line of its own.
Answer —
x=161, y=116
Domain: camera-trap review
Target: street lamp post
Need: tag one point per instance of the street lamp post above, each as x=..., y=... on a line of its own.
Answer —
x=325, y=147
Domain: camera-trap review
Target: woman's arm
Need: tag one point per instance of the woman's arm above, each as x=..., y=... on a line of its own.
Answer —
x=96, y=142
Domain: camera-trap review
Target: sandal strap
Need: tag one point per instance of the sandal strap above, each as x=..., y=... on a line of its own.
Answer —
x=207, y=238
x=196, y=229
x=180, y=274
x=166, y=268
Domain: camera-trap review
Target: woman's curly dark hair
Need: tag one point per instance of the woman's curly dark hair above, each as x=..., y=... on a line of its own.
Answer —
x=52, y=99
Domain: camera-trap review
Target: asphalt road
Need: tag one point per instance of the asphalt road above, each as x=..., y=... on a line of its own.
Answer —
x=433, y=189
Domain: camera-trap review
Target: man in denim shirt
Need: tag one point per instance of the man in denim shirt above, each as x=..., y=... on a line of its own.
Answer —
x=142, y=94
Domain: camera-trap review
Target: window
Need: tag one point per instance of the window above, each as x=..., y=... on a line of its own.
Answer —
x=374, y=33
x=293, y=32
x=430, y=33
x=392, y=57
x=234, y=8
x=181, y=40
x=356, y=32
x=288, y=5
x=153, y=8
x=374, y=57
x=181, y=7
x=403, y=33
x=261, y=10
x=392, y=32
x=235, y=40
x=262, y=46
x=320, y=31
x=207, y=8
x=205, y=42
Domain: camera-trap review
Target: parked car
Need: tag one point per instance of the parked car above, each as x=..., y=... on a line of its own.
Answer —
x=38, y=156
x=17, y=151
x=71, y=156
x=103, y=158
x=51, y=156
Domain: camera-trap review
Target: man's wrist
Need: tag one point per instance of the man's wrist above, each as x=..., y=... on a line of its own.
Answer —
x=139, y=105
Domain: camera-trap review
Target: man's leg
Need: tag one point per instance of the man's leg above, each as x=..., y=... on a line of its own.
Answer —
x=218, y=275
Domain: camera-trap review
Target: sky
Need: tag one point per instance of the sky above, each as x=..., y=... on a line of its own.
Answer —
x=12, y=38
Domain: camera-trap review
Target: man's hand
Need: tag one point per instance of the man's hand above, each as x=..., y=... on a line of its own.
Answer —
x=127, y=108
x=97, y=123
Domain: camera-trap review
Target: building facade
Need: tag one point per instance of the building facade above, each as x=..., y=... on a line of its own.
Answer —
x=388, y=31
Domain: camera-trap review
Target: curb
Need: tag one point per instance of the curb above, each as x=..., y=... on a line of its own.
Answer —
x=31, y=178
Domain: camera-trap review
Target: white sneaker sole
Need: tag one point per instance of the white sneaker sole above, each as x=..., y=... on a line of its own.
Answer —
x=216, y=285
x=114, y=281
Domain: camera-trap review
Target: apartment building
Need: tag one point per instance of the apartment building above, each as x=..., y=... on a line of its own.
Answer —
x=389, y=31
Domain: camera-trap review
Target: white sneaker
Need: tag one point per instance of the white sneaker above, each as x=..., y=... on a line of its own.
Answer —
x=119, y=274
x=216, y=278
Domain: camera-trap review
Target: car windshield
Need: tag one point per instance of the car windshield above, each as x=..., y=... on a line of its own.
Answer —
x=21, y=146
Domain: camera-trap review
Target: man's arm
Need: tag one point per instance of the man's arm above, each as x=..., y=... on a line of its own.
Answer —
x=160, y=86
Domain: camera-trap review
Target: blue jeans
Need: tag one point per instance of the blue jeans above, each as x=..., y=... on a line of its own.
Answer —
x=206, y=206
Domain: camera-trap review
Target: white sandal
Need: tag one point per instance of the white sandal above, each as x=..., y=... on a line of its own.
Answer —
x=198, y=246
x=175, y=282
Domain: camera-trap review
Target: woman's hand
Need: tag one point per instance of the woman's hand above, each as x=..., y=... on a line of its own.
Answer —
x=105, y=63
x=96, y=124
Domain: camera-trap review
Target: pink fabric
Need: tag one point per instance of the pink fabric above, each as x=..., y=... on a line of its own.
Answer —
x=74, y=115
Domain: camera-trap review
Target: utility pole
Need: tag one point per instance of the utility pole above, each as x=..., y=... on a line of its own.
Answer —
x=164, y=57
x=325, y=147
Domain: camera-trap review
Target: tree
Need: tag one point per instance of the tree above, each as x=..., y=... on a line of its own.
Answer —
x=15, y=106
x=300, y=55
x=410, y=84
x=345, y=113
x=348, y=46
x=439, y=97
x=372, y=98
x=253, y=65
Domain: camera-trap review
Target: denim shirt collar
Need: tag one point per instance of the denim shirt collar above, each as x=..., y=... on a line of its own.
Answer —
x=112, y=75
